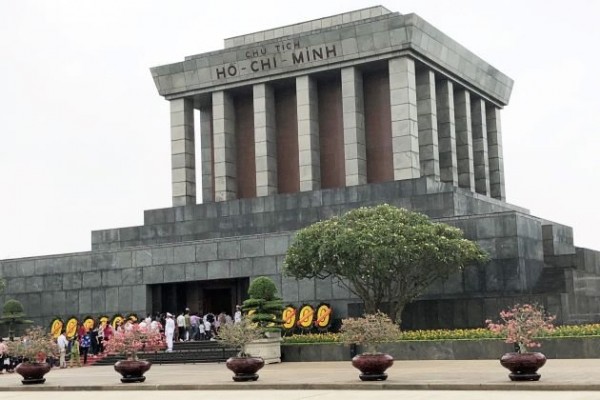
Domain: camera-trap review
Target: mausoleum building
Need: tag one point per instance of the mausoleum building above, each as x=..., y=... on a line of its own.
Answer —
x=300, y=123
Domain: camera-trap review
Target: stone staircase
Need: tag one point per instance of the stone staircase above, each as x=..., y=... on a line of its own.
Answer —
x=183, y=353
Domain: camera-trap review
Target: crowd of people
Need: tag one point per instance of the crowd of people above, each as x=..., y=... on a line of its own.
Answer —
x=89, y=341
x=191, y=326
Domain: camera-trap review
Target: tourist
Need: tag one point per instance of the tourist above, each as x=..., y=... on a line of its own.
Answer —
x=194, y=320
x=201, y=329
x=169, y=331
x=84, y=346
x=181, y=327
x=188, y=324
x=4, y=359
x=74, y=353
x=237, y=317
x=63, y=343
x=100, y=338
x=93, y=341
x=208, y=325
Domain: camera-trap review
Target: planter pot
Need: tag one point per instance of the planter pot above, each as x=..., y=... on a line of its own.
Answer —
x=523, y=366
x=132, y=370
x=268, y=349
x=245, y=368
x=372, y=366
x=33, y=373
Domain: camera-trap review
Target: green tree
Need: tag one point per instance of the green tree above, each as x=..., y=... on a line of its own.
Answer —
x=263, y=306
x=382, y=254
x=13, y=314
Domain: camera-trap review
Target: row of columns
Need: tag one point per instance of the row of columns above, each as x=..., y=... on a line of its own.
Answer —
x=438, y=130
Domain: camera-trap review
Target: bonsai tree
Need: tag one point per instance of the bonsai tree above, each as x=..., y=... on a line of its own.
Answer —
x=264, y=306
x=382, y=254
x=13, y=314
x=521, y=324
x=239, y=335
x=369, y=330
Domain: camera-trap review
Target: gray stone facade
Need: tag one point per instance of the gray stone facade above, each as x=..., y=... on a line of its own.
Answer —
x=446, y=161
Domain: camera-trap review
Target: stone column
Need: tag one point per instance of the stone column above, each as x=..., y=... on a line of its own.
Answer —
x=183, y=163
x=405, y=131
x=207, y=153
x=446, y=132
x=496, y=160
x=355, y=151
x=224, y=146
x=265, y=145
x=427, y=118
x=480, y=147
x=308, y=133
x=464, y=141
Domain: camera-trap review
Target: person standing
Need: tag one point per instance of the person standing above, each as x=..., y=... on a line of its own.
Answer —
x=169, y=331
x=63, y=343
x=85, y=344
x=188, y=325
x=194, y=319
x=3, y=354
x=74, y=356
x=181, y=327
x=237, y=317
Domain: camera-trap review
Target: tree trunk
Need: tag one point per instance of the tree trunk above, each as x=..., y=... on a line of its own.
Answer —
x=396, y=312
x=370, y=306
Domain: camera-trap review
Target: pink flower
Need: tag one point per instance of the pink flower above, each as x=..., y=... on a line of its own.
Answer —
x=521, y=324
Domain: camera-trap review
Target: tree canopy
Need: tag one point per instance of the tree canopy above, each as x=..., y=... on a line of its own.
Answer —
x=382, y=254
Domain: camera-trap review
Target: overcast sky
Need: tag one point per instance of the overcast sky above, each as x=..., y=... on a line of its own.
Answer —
x=84, y=135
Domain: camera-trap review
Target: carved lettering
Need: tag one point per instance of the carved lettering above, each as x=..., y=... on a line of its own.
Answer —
x=298, y=58
x=277, y=55
x=330, y=51
x=220, y=72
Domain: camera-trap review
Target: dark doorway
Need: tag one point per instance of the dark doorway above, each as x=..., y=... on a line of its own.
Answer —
x=213, y=296
x=217, y=300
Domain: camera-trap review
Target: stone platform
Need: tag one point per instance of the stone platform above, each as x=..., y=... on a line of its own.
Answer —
x=474, y=375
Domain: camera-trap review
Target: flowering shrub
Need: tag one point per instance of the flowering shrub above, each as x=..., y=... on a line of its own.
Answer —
x=35, y=346
x=240, y=334
x=134, y=339
x=369, y=330
x=521, y=324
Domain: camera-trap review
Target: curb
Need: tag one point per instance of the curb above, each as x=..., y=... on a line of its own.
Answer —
x=509, y=386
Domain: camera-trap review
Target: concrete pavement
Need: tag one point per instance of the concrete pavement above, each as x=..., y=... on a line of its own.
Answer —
x=439, y=375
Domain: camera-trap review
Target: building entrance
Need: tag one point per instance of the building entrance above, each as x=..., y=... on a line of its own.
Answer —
x=214, y=296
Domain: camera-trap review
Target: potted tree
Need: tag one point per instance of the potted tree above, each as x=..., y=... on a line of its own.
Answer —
x=129, y=342
x=239, y=335
x=368, y=332
x=520, y=325
x=264, y=309
x=33, y=349
x=13, y=314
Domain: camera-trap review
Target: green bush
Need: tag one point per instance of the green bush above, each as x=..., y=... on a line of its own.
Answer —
x=263, y=307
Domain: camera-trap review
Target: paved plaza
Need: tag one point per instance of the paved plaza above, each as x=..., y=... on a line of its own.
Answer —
x=560, y=376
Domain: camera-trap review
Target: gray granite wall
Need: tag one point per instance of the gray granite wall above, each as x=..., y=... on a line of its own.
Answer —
x=249, y=238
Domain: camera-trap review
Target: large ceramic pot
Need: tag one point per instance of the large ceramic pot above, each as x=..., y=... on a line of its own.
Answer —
x=245, y=367
x=372, y=365
x=523, y=366
x=33, y=373
x=132, y=370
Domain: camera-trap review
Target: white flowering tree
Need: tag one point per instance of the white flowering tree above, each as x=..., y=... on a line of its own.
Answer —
x=382, y=254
